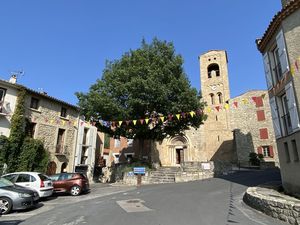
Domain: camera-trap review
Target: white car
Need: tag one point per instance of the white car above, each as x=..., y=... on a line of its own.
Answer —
x=34, y=180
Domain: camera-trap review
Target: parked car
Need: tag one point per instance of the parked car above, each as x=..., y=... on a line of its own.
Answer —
x=14, y=197
x=72, y=183
x=34, y=180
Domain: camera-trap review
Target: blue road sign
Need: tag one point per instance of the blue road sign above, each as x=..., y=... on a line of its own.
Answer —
x=139, y=170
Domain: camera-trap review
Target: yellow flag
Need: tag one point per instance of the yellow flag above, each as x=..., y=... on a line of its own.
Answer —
x=226, y=106
x=74, y=123
x=192, y=113
x=178, y=116
x=134, y=122
x=162, y=118
x=147, y=120
x=51, y=121
x=208, y=109
x=120, y=123
x=63, y=122
x=245, y=101
x=292, y=70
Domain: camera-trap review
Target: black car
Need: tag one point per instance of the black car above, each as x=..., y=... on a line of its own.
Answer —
x=14, y=197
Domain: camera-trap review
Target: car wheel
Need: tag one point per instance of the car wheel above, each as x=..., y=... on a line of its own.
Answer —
x=75, y=190
x=5, y=205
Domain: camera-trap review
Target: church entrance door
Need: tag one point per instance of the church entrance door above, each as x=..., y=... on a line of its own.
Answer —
x=179, y=155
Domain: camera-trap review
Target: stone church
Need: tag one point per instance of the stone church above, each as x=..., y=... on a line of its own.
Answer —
x=234, y=126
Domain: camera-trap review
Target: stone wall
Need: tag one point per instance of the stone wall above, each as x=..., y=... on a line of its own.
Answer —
x=274, y=204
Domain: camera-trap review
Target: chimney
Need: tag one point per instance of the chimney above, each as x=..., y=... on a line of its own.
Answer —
x=13, y=79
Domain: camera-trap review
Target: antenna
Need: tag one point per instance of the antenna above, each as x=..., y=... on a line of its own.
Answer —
x=17, y=73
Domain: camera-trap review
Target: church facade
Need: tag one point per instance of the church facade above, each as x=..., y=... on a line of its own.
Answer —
x=234, y=126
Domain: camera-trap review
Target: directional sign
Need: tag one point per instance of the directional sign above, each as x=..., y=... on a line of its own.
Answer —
x=139, y=170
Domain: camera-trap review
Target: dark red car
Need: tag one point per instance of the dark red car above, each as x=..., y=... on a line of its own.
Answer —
x=72, y=183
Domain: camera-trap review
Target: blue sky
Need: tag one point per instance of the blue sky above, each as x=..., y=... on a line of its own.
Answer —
x=62, y=45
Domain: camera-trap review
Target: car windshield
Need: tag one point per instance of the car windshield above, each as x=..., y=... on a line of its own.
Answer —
x=5, y=183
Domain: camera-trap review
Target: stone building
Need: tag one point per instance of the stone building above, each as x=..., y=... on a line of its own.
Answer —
x=47, y=118
x=280, y=48
x=251, y=123
x=232, y=130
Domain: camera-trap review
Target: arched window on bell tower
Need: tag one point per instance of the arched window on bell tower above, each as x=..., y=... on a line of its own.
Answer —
x=212, y=98
x=213, y=69
x=220, y=97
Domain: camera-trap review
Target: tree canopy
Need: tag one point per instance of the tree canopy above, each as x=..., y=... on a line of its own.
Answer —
x=148, y=82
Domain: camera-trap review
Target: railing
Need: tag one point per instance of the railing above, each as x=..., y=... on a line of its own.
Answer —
x=287, y=124
x=61, y=150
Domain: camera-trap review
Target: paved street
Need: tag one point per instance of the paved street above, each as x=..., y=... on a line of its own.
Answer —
x=217, y=201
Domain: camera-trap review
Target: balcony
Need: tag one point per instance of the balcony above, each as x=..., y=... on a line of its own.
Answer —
x=61, y=150
x=277, y=72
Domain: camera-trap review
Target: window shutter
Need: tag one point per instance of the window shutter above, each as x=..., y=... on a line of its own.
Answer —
x=271, y=151
x=292, y=106
x=268, y=71
x=259, y=150
x=275, y=118
x=282, y=52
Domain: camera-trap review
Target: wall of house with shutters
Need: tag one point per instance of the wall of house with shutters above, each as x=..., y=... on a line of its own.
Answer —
x=252, y=126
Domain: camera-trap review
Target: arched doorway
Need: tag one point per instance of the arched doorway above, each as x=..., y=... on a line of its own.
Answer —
x=178, y=150
x=64, y=167
x=51, y=169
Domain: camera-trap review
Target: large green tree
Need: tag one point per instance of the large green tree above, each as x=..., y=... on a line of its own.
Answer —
x=145, y=83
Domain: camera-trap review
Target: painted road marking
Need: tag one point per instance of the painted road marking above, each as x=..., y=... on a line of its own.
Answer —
x=133, y=205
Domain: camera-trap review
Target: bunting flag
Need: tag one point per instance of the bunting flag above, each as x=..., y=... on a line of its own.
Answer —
x=134, y=122
x=162, y=118
x=127, y=122
x=226, y=106
x=245, y=101
x=208, y=110
x=63, y=122
x=120, y=123
x=146, y=120
x=74, y=123
x=217, y=108
x=178, y=116
x=192, y=113
x=51, y=121
x=142, y=121
x=170, y=117
x=235, y=104
x=263, y=96
x=183, y=114
x=81, y=123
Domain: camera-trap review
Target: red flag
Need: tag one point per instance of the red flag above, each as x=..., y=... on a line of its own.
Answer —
x=254, y=99
x=142, y=121
x=296, y=65
x=217, y=108
x=235, y=104
x=127, y=122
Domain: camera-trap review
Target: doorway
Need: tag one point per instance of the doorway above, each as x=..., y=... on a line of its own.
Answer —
x=179, y=155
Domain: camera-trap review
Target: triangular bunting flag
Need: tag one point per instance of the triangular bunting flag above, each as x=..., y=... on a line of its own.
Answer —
x=178, y=116
x=142, y=121
x=217, y=108
x=162, y=118
x=208, y=109
x=226, y=106
x=263, y=96
x=134, y=122
x=127, y=122
x=146, y=120
x=245, y=101
x=192, y=113
x=235, y=104
x=120, y=123
x=63, y=122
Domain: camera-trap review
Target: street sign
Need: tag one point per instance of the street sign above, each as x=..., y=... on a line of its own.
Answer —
x=139, y=170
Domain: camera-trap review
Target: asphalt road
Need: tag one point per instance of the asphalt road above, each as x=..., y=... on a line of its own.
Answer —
x=216, y=201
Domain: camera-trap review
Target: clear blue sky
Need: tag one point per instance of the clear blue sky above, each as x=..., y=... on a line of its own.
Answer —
x=62, y=45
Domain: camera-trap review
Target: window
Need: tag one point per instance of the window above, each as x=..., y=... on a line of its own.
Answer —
x=116, y=157
x=84, y=139
x=275, y=61
x=220, y=98
x=106, y=141
x=34, y=104
x=129, y=142
x=287, y=153
x=285, y=115
x=295, y=151
x=60, y=141
x=213, y=69
x=263, y=133
x=2, y=94
x=267, y=151
x=63, y=112
x=212, y=98
x=260, y=115
x=84, y=155
x=259, y=102
x=30, y=129
x=23, y=178
x=117, y=143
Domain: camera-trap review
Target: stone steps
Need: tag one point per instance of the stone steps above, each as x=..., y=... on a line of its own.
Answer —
x=163, y=175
